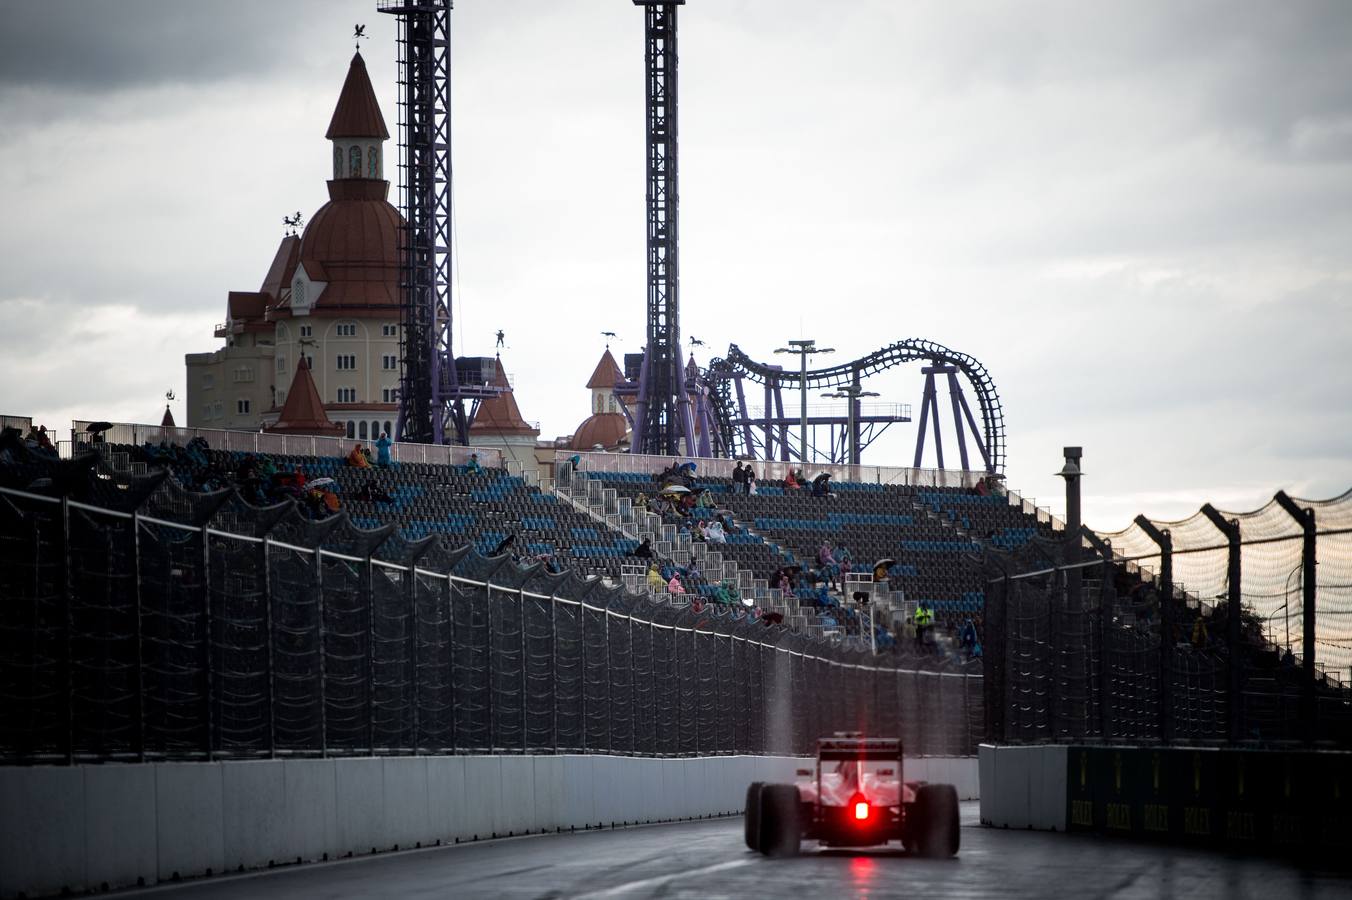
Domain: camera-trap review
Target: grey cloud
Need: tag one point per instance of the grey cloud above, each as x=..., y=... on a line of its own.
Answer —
x=104, y=45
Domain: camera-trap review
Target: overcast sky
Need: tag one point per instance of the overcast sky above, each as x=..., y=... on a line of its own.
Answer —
x=1137, y=215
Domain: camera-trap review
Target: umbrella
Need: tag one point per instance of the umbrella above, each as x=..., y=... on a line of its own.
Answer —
x=822, y=476
x=98, y=427
x=675, y=489
x=886, y=562
x=792, y=567
x=320, y=482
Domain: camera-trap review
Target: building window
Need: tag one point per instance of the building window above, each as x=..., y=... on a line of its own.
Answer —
x=281, y=398
x=372, y=162
x=388, y=429
x=337, y=161
x=281, y=364
x=208, y=382
x=354, y=162
x=347, y=329
x=361, y=430
x=244, y=374
x=600, y=403
x=351, y=429
x=347, y=362
x=216, y=409
x=389, y=395
x=612, y=404
x=388, y=331
x=347, y=395
x=389, y=363
x=242, y=407
x=206, y=411
x=306, y=331
x=309, y=361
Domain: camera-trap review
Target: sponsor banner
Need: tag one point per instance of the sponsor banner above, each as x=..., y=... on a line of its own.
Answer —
x=1239, y=798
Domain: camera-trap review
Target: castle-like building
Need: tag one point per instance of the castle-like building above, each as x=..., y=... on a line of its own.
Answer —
x=315, y=350
x=330, y=297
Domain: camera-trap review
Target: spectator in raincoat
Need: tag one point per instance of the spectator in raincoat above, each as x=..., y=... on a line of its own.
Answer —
x=383, y=450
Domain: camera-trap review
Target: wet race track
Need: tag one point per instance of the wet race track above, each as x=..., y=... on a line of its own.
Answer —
x=708, y=859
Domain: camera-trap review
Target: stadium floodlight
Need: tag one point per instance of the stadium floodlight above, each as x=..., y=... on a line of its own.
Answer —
x=851, y=392
x=803, y=348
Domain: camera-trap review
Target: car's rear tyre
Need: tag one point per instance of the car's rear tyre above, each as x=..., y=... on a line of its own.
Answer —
x=751, y=815
x=780, y=830
x=935, y=831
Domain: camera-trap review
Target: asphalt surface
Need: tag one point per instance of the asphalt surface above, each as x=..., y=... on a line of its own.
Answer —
x=708, y=860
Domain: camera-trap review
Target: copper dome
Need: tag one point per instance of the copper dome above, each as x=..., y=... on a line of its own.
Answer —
x=352, y=244
x=606, y=429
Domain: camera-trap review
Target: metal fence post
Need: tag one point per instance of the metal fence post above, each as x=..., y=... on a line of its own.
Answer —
x=1165, y=541
x=554, y=671
x=1309, y=709
x=1234, y=649
x=208, y=646
x=270, y=626
x=323, y=655
x=368, y=588
x=412, y=590
x=450, y=621
x=521, y=617
x=140, y=638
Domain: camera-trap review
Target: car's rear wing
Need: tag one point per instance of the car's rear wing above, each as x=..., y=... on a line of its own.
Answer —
x=833, y=749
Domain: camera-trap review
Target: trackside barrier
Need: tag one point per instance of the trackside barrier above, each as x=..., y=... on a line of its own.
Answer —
x=1285, y=800
x=76, y=828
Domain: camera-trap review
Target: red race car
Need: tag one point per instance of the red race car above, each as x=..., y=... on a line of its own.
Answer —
x=857, y=797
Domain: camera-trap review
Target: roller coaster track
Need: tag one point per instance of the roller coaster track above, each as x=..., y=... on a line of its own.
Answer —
x=723, y=372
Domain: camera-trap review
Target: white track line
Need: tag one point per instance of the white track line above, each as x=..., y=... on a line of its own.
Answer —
x=662, y=879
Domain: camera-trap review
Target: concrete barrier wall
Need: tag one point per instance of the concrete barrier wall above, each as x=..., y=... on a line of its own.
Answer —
x=84, y=827
x=1236, y=798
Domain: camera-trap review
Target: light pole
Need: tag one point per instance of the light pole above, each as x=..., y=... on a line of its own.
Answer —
x=803, y=349
x=852, y=393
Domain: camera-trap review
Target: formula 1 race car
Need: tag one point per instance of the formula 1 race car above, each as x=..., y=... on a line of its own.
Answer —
x=855, y=798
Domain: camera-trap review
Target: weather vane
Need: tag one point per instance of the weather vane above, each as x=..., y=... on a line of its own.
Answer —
x=609, y=336
x=292, y=222
x=359, y=35
x=169, y=395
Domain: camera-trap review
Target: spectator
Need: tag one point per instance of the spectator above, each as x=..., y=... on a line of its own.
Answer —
x=357, y=458
x=45, y=440
x=827, y=562
x=791, y=481
x=924, y=621
x=505, y=545
x=373, y=493
x=1288, y=659
x=692, y=571
x=1199, y=636
x=655, y=581
x=383, y=450
x=644, y=550
x=738, y=478
x=641, y=501
x=674, y=586
x=750, y=480
x=713, y=532
x=472, y=467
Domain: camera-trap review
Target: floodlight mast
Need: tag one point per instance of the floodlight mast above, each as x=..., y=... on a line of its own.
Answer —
x=662, y=408
x=431, y=400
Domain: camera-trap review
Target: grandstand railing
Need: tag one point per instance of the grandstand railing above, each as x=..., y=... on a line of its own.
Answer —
x=125, y=635
x=287, y=444
x=773, y=471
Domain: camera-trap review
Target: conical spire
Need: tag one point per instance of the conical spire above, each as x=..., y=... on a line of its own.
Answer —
x=303, y=412
x=357, y=114
x=499, y=414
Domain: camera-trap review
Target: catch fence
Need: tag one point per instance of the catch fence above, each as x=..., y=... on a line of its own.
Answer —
x=154, y=623
x=1077, y=648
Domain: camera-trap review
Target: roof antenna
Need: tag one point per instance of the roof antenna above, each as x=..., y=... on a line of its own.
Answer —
x=358, y=36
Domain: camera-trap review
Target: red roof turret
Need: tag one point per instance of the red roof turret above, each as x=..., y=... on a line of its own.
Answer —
x=357, y=113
